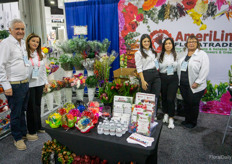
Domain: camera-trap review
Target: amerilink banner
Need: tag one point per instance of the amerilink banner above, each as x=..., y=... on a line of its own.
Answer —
x=210, y=21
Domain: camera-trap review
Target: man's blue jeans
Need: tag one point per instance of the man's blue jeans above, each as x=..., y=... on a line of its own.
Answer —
x=18, y=105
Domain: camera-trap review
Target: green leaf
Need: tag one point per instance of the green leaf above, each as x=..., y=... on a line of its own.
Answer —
x=140, y=10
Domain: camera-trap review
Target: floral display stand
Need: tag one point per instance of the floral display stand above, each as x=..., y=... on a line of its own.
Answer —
x=90, y=72
x=49, y=101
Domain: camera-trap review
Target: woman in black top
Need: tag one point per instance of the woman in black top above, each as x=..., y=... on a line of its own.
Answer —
x=169, y=80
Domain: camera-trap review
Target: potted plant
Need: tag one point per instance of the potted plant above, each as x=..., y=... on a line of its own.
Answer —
x=91, y=83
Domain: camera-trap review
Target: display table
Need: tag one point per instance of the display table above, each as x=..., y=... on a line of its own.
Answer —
x=111, y=148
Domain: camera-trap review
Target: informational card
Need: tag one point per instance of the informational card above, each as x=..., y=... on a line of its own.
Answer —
x=144, y=96
x=80, y=30
x=144, y=121
x=136, y=138
x=122, y=107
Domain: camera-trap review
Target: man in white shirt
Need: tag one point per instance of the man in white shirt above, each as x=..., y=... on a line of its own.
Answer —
x=14, y=79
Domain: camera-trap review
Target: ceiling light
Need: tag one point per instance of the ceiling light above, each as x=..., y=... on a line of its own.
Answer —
x=52, y=2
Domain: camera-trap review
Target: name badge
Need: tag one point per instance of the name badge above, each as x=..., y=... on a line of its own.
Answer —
x=170, y=70
x=26, y=61
x=184, y=66
x=157, y=64
x=35, y=73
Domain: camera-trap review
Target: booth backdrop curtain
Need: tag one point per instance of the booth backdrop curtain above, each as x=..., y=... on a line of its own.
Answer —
x=101, y=17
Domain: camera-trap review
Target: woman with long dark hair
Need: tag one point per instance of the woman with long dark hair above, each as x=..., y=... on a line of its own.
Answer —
x=147, y=66
x=37, y=81
x=169, y=80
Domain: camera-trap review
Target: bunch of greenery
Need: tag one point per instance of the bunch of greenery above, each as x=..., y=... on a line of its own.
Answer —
x=79, y=44
x=214, y=92
x=3, y=34
x=104, y=45
x=66, y=62
x=129, y=39
x=65, y=46
x=230, y=75
x=91, y=81
x=92, y=48
x=77, y=62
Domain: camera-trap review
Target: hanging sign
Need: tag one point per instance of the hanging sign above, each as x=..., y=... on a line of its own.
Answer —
x=80, y=30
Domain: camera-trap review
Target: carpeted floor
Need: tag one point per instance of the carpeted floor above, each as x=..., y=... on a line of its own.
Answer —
x=180, y=145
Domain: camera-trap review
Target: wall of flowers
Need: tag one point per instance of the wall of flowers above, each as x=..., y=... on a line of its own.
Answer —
x=209, y=20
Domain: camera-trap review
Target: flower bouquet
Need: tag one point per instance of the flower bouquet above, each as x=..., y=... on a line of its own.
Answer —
x=86, y=122
x=91, y=83
x=57, y=85
x=54, y=120
x=62, y=111
x=68, y=88
x=68, y=121
x=69, y=106
x=93, y=106
x=79, y=85
x=88, y=63
x=102, y=66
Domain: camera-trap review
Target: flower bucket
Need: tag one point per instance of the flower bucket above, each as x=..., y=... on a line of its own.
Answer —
x=103, y=54
x=42, y=105
x=80, y=94
x=68, y=73
x=51, y=77
x=90, y=72
x=57, y=97
x=91, y=93
x=49, y=101
x=62, y=92
x=68, y=94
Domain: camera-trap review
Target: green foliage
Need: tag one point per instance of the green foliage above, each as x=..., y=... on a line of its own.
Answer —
x=104, y=45
x=230, y=75
x=79, y=44
x=66, y=62
x=65, y=46
x=129, y=39
x=3, y=34
x=117, y=87
x=77, y=61
x=91, y=81
x=214, y=92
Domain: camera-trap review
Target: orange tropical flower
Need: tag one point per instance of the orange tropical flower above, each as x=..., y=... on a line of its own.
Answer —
x=148, y=4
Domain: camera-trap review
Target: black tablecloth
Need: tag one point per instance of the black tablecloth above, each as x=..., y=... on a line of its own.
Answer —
x=111, y=148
